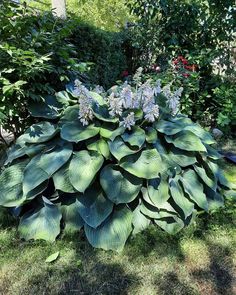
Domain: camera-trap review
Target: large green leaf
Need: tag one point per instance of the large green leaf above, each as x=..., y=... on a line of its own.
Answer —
x=186, y=140
x=70, y=214
x=172, y=225
x=201, y=133
x=113, y=232
x=194, y=188
x=83, y=168
x=49, y=108
x=11, y=194
x=136, y=137
x=119, y=149
x=119, y=185
x=180, y=199
x=182, y=158
x=146, y=164
x=43, y=223
x=140, y=221
x=62, y=181
x=42, y=166
x=158, y=191
x=215, y=200
x=101, y=146
x=102, y=113
x=206, y=175
x=93, y=207
x=76, y=132
x=71, y=114
x=38, y=133
x=109, y=132
x=168, y=128
x=151, y=135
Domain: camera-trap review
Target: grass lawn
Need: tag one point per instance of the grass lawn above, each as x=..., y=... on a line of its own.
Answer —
x=199, y=260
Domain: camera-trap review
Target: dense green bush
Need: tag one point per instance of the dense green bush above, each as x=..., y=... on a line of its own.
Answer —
x=111, y=163
x=40, y=54
x=105, y=50
x=36, y=59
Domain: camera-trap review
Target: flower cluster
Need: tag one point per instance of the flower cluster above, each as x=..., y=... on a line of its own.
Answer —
x=123, y=100
x=85, y=102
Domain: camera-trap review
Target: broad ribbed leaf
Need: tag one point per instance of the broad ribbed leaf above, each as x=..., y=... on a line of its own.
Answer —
x=147, y=164
x=158, y=191
x=102, y=113
x=119, y=149
x=151, y=135
x=93, y=207
x=140, y=221
x=71, y=114
x=83, y=168
x=76, y=132
x=206, y=175
x=70, y=214
x=109, y=132
x=11, y=194
x=135, y=137
x=194, y=188
x=113, y=232
x=186, y=140
x=101, y=146
x=49, y=108
x=170, y=224
x=168, y=128
x=42, y=166
x=38, y=133
x=182, y=158
x=62, y=181
x=180, y=199
x=119, y=186
x=43, y=223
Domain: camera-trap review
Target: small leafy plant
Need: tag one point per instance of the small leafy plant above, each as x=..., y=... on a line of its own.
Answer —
x=111, y=163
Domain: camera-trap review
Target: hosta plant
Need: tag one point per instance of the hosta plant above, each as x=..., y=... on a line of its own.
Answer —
x=111, y=164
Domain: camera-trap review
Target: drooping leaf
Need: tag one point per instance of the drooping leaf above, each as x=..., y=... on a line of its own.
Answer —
x=52, y=257
x=119, y=185
x=172, y=225
x=186, y=140
x=43, y=223
x=206, y=175
x=151, y=135
x=119, y=149
x=11, y=194
x=49, y=108
x=101, y=146
x=194, y=188
x=136, y=137
x=215, y=200
x=93, y=207
x=62, y=181
x=71, y=114
x=110, y=132
x=113, y=232
x=102, y=113
x=180, y=199
x=70, y=214
x=42, y=166
x=146, y=164
x=38, y=133
x=83, y=168
x=140, y=221
x=158, y=191
x=76, y=132
x=182, y=158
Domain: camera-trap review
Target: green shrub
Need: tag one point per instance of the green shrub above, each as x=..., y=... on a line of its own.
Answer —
x=105, y=50
x=111, y=163
x=36, y=59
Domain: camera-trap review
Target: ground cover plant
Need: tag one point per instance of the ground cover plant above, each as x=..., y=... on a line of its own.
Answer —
x=111, y=163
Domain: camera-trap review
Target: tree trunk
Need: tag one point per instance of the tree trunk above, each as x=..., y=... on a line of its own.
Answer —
x=59, y=8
